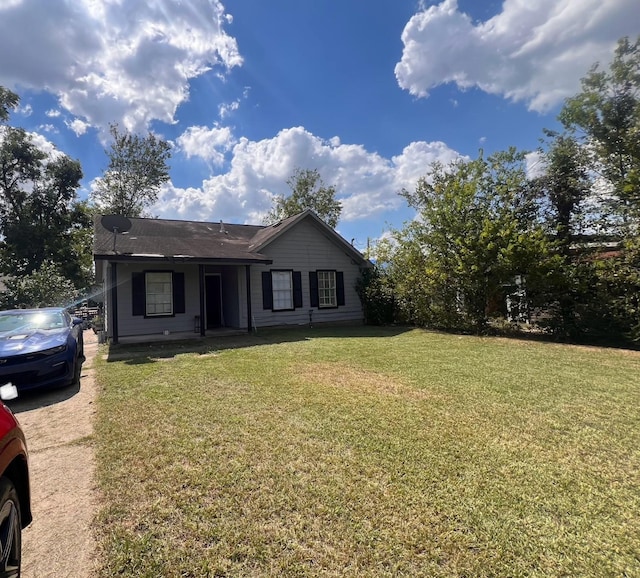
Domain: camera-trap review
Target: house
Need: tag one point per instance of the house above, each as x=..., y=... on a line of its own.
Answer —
x=162, y=276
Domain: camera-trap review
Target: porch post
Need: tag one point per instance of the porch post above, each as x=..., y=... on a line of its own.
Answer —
x=203, y=321
x=247, y=269
x=114, y=303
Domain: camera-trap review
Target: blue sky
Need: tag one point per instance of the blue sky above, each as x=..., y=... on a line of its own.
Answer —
x=367, y=92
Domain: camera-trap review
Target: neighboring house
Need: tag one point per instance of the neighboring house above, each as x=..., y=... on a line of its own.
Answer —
x=162, y=276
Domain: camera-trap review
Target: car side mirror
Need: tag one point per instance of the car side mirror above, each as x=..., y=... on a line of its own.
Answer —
x=77, y=321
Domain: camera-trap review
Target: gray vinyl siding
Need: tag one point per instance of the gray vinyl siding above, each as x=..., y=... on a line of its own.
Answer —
x=139, y=325
x=233, y=309
x=305, y=248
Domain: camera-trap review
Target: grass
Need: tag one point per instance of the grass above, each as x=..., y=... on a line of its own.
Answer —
x=369, y=452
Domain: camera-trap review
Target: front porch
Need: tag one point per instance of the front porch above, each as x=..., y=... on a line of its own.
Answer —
x=180, y=336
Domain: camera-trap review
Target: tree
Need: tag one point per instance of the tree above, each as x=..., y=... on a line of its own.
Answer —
x=137, y=169
x=477, y=228
x=308, y=191
x=607, y=113
x=8, y=100
x=563, y=188
x=565, y=185
x=39, y=213
x=44, y=287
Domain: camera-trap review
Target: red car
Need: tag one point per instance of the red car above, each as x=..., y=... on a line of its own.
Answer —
x=15, y=496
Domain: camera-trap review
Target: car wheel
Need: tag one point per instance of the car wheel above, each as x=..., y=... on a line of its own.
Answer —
x=10, y=530
x=77, y=371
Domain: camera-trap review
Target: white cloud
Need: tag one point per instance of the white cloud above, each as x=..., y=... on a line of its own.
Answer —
x=26, y=110
x=53, y=113
x=209, y=144
x=225, y=110
x=78, y=126
x=110, y=60
x=535, y=164
x=48, y=128
x=366, y=183
x=534, y=52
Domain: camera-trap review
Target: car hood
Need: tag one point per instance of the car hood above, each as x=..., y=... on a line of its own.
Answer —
x=31, y=341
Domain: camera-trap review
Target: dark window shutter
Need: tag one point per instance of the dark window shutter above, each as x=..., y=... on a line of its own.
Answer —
x=178, y=293
x=313, y=288
x=340, y=288
x=297, y=289
x=267, y=290
x=138, y=294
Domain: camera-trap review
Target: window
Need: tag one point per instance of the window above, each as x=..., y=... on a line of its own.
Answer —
x=282, y=286
x=327, y=289
x=281, y=290
x=159, y=293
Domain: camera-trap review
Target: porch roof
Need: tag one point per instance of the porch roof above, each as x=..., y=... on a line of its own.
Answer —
x=164, y=239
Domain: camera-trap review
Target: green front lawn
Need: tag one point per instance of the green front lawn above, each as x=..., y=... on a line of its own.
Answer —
x=369, y=452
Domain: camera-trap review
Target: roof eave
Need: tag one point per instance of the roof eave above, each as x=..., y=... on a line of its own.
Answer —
x=181, y=259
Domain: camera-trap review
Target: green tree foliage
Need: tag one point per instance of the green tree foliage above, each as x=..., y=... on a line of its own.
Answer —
x=46, y=286
x=607, y=113
x=376, y=294
x=603, y=286
x=8, y=100
x=564, y=186
x=40, y=217
x=477, y=228
x=137, y=169
x=308, y=191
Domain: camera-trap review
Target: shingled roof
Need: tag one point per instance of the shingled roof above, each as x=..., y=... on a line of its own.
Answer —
x=165, y=239
x=155, y=239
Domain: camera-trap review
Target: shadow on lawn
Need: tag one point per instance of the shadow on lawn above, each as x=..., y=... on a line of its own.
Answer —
x=141, y=353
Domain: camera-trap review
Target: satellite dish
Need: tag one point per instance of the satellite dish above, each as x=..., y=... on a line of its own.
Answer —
x=115, y=223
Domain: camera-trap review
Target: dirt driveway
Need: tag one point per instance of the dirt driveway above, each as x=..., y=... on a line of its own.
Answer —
x=58, y=426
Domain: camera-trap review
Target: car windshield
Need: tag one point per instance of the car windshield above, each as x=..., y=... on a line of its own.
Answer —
x=29, y=320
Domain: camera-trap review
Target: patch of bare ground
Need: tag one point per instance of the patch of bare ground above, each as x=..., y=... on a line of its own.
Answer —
x=58, y=426
x=359, y=381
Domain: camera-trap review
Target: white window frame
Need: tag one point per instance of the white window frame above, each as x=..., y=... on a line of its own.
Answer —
x=327, y=289
x=159, y=293
x=282, y=290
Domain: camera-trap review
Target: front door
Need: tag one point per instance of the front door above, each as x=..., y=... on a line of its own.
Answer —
x=213, y=301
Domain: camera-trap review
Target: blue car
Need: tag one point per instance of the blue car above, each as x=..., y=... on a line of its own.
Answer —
x=40, y=348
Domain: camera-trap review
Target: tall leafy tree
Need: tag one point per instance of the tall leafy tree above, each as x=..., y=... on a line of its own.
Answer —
x=478, y=227
x=39, y=212
x=564, y=187
x=137, y=169
x=607, y=113
x=46, y=286
x=308, y=191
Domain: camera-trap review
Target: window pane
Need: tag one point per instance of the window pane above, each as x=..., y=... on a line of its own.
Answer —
x=281, y=282
x=159, y=293
x=327, y=289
